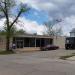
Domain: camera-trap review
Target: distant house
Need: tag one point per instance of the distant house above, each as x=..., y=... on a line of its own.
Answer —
x=70, y=41
x=72, y=33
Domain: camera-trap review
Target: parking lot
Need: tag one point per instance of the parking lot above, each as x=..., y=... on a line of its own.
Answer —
x=37, y=63
x=54, y=54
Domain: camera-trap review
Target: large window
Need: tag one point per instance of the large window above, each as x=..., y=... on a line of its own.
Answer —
x=32, y=42
x=47, y=41
x=19, y=41
x=51, y=41
x=38, y=42
x=26, y=42
x=29, y=42
x=42, y=42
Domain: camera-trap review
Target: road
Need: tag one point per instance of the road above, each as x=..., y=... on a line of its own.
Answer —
x=37, y=63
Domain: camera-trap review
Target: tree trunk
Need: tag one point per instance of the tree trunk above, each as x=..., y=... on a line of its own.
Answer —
x=7, y=43
x=8, y=40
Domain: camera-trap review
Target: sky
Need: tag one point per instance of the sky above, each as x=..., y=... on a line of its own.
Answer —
x=47, y=10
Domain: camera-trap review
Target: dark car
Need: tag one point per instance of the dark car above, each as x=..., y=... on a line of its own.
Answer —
x=49, y=47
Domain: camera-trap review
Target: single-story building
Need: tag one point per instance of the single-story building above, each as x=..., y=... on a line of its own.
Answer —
x=34, y=42
x=31, y=42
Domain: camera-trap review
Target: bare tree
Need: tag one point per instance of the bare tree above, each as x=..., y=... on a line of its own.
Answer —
x=58, y=32
x=6, y=7
x=49, y=28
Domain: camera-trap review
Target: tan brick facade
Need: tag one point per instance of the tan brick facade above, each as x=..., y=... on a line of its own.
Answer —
x=59, y=41
x=2, y=42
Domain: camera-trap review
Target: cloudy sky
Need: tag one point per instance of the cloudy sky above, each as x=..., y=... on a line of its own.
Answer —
x=43, y=10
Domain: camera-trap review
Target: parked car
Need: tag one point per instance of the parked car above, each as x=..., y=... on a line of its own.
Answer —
x=49, y=47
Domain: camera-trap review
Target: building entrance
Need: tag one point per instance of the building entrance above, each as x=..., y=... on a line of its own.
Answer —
x=19, y=44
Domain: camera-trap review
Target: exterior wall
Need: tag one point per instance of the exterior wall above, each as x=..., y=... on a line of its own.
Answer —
x=2, y=43
x=59, y=41
x=72, y=34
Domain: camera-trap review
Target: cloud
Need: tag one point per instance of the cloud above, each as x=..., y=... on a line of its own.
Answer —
x=54, y=8
x=39, y=4
x=31, y=26
x=67, y=24
x=1, y=24
x=57, y=9
x=27, y=25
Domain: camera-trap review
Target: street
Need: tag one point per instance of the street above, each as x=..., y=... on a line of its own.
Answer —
x=37, y=63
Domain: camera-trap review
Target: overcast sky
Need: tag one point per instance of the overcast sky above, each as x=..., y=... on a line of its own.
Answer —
x=44, y=10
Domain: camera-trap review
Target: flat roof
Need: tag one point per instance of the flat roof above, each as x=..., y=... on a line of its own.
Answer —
x=34, y=36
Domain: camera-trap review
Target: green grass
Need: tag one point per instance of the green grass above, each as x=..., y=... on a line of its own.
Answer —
x=67, y=56
x=6, y=52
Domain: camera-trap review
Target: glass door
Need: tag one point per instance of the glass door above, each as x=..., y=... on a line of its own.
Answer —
x=19, y=43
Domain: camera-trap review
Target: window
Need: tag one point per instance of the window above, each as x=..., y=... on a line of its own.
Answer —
x=32, y=42
x=26, y=42
x=19, y=41
x=38, y=42
x=51, y=41
x=29, y=42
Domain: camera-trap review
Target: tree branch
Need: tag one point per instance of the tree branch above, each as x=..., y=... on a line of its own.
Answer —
x=2, y=9
x=16, y=18
x=6, y=11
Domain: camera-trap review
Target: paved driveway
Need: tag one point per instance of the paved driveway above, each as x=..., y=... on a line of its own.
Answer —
x=37, y=63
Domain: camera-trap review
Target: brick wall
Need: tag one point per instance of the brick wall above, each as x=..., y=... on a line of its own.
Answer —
x=59, y=41
x=2, y=42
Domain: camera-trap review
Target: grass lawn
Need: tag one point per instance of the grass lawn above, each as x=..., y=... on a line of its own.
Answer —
x=6, y=52
x=67, y=56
